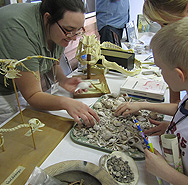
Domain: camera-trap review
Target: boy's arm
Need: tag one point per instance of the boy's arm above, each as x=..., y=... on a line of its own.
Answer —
x=132, y=107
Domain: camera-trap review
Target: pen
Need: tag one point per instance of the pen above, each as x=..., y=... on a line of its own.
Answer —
x=142, y=134
x=149, y=146
x=149, y=57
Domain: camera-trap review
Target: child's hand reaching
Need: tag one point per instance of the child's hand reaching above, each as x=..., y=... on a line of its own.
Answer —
x=127, y=108
x=160, y=128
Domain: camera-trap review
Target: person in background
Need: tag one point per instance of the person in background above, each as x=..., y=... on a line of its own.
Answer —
x=165, y=12
x=112, y=16
x=45, y=28
x=174, y=68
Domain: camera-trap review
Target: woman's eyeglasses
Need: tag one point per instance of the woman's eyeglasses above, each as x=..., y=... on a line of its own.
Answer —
x=71, y=34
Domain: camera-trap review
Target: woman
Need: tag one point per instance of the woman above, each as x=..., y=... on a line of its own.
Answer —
x=41, y=29
x=165, y=12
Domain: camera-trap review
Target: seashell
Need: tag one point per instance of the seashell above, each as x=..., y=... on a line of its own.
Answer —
x=136, y=142
x=100, y=142
x=114, y=95
x=105, y=96
x=106, y=135
x=90, y=136
x=114, y=108
x=128, y=133
x=108, y=104
x=97, y=105
x=110, y=127
x=101, y=114
x=112, y=140
x=115, y=132
x=123, y=137
x=141, y=118
x=121, y=99
x=96, y=127
x=124, y=147
x=153, y=115
x=117, y=123
x=83, y=85
x=117, y=102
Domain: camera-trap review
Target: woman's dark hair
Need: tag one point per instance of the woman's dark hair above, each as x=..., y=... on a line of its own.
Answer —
x=57, y=8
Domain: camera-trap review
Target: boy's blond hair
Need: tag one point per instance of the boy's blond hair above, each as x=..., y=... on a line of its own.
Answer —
x=170, y=44
x=156, y=10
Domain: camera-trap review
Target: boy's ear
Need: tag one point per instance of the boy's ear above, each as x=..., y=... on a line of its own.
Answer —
x=181, y=74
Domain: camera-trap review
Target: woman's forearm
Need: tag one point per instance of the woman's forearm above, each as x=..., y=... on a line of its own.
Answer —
x=45, y=101
x=60, y=76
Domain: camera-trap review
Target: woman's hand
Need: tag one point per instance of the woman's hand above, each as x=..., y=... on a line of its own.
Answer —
x=70, y=84
x=79, y=110
x=160, y=128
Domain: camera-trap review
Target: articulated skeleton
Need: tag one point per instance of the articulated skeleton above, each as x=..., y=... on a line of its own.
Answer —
x=90, y=45
x=34, y=124
x=8, y=68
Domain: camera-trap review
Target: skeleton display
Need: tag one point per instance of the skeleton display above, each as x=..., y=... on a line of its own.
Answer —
x=89, y=45
x=116, y=133
x=8, y=68
x=34, y=125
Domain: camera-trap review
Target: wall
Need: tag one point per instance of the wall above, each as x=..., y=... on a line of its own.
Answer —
x=135, y=8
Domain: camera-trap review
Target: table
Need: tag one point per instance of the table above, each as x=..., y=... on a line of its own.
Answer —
x=68, y=150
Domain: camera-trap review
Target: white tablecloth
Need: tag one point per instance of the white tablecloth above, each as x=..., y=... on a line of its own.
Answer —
x=68, y=150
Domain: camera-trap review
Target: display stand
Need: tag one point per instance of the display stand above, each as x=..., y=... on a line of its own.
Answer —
x=18, y=148
x=94, y=92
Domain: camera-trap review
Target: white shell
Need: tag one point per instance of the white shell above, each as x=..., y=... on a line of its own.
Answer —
x=83, y=85
x=97, y=105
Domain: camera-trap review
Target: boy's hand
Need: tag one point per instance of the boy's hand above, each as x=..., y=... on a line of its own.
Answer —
x=127, y=108
x=155, y=163
x=160, y=128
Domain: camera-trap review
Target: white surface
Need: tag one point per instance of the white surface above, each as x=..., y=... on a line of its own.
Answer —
x=67, y=150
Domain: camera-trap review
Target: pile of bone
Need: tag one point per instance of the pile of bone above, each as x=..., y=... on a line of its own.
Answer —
x=116, y=133
x=120, y=170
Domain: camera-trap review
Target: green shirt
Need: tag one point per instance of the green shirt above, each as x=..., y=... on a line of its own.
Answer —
x=22, y=34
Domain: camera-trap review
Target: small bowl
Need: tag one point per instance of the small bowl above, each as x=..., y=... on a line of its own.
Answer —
x=105, y=159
